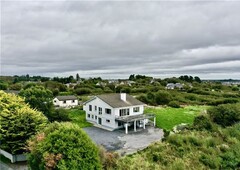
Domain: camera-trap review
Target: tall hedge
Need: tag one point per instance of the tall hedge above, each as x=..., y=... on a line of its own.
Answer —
x=18, y=122
x=63, y=146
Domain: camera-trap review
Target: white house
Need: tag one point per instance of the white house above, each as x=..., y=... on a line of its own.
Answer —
x=114, y=111
x=174, y=86
x=65, y=101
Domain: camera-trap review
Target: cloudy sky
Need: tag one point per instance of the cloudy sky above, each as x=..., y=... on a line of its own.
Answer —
x=114, y=39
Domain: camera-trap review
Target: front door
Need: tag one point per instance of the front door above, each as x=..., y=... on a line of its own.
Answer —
x=100, y=121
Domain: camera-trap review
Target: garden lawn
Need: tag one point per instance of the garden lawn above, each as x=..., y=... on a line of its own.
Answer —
x=78, y=117
x=167, y=118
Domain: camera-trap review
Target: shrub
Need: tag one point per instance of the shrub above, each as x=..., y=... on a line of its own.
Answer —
x=202, y=122
x=174, y=104
x=108, y=159
x=59, y=115
x=225, y=115
x=63, y=146
x=163, y=97
x=18, y=122
x=81, y=91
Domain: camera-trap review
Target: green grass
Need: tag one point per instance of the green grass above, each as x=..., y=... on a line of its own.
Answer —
x=167, y=118
x=78, y=117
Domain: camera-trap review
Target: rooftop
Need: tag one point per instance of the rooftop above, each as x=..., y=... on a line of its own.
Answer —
x=61, y=98
x=115, y=101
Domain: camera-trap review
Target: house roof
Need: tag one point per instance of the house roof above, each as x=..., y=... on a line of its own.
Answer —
x=61, y=98
x=114, y=100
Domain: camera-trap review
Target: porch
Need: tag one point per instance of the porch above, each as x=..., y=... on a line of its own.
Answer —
x=127, y=120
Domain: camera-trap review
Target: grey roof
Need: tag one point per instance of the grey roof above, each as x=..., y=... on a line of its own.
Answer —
x=61, y=98
x=115, y=101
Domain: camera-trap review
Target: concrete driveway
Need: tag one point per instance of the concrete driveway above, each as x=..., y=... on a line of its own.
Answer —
x=124, y=143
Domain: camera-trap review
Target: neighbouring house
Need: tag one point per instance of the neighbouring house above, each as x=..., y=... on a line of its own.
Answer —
x=65, y=101
x=114, y=111
x=172, y=86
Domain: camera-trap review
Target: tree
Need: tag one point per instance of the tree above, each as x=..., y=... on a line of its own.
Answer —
x=18, y=122
x=132, y=77
x=63, y=146
x=197, y=79
x=38, y=98
x=77, y=77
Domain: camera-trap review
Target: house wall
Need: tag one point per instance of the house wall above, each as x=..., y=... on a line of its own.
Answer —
x=93, y=115
x=68, y=103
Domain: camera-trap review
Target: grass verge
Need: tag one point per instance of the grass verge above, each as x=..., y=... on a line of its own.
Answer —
x=78, y=117
x=167, y=118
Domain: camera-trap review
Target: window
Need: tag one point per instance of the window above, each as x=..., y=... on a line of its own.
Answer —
x=99, y=110
x=95, y=117
x=90, y=107
x=136, y=109
x=73, y=101
x=88, y=115
x=92, y=116
x=95, y=108
x=55, y=101
x=124, y=112
x=108, y=111
x=64, y=101
x=107, y=120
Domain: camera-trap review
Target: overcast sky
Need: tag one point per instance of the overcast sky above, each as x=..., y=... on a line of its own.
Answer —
x=119, y=38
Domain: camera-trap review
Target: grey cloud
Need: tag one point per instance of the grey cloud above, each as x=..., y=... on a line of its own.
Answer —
x=120, y=38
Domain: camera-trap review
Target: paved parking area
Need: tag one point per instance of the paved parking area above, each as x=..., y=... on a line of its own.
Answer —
x=124, y=143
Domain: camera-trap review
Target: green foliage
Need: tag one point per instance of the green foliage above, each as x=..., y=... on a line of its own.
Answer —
x=163, y=97
x=225, y=115
x=108, y=159
x=78, y=117
x=18, y=122
x=81, y=91
x=202, y=122
x=63, y=146
x=16, y=86
x=38, y=98
x=3, y=86
x=59, y=114
x=174, y=104
x=189, y=150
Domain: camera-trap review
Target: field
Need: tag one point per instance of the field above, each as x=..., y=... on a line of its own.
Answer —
x=167, y=118
x=78, y=117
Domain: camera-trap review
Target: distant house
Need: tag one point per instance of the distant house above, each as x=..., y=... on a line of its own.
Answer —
x=65, y=101
x=172, y=86
x=114, y=111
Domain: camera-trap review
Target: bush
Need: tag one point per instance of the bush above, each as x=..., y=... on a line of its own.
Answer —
x=163, y=97
x=225, y=115
x=108, y=159
x=18, y=122
x=63, y=146
x=202, y=122
x=81, y=91
x=174, y=104
x=59, y=115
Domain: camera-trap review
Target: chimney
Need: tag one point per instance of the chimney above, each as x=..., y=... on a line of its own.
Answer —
x=123, y=96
